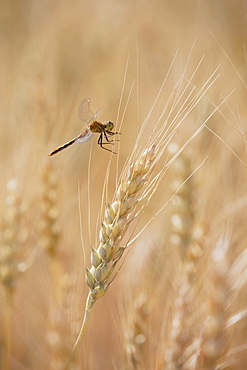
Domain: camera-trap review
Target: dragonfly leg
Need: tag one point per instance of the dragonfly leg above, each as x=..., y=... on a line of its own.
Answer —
x=100, y=142
x=110, y=133
x=113, y=133
x=106, y=137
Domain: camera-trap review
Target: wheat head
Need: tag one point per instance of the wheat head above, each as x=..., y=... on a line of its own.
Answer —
x=130, y=195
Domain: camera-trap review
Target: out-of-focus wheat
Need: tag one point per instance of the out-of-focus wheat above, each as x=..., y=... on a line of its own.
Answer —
x=49, y=222
x=10, y=260
x=183, y=237
x=213, y=343
x=10, y=254
x=135, y=333
x=57, y=324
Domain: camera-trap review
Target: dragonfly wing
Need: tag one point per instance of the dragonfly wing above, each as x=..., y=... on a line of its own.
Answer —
x=84, y=136
x=85, y=113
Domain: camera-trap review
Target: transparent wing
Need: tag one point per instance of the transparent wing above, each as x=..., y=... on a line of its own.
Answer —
x=85, y=113
x=85, y=135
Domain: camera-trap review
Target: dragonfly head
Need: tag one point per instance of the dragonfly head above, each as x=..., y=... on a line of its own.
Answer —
x=109, y=126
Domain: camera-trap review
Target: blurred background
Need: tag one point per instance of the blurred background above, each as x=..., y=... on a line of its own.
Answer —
x=117, y=53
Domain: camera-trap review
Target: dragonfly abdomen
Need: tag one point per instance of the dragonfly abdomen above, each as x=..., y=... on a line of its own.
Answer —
x=62, y=147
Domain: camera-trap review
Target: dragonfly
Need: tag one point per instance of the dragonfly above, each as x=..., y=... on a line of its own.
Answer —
x=86, y=115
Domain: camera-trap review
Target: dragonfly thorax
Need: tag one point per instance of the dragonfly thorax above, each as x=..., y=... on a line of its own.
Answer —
x=99, y=127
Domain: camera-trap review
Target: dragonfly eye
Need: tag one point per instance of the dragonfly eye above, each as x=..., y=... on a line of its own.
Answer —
x=109, y=125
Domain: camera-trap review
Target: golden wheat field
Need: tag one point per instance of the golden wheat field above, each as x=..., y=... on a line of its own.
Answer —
x=135, y=259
